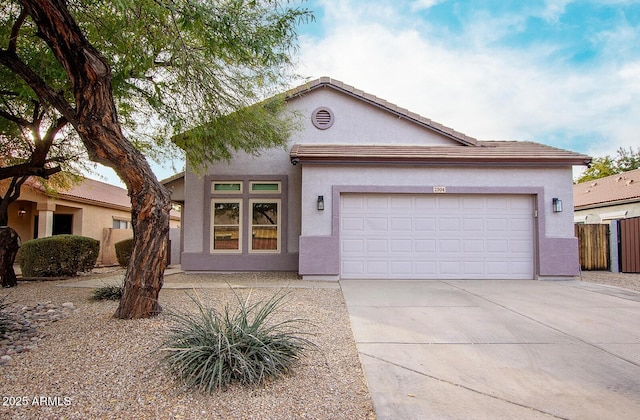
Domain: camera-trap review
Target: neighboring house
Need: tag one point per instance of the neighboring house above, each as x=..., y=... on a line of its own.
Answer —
x=91, y=208
x=367, y=189
x=606, y=199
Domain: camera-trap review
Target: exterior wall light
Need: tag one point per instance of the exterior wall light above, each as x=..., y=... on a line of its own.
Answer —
x=22, y=212
x=557, y=205
x=320, y=202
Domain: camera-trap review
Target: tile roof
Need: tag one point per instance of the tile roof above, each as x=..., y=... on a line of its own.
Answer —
x=614, y=189
x=98, y=193
x=327, y=82
x=494, y=152
x=92, y=191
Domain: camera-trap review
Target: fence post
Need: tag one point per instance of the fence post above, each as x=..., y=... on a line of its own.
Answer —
x=613, y=247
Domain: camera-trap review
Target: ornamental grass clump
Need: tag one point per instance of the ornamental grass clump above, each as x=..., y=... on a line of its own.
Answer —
x=108, y=292
x=210, y=349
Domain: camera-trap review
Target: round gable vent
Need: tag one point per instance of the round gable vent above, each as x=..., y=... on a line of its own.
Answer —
x=322, y=118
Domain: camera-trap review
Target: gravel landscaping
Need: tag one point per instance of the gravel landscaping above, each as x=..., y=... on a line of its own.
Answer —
x=629, y=281
x=78, y=362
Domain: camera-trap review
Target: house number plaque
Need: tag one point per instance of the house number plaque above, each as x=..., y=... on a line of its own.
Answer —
x=439, y=190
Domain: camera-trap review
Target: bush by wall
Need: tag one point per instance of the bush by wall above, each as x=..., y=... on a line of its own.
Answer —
x=123, y=251
x=58, y=256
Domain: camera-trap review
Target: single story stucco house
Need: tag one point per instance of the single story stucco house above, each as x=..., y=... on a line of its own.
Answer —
x=91, y=208
x=611, y=198
x=367, y=189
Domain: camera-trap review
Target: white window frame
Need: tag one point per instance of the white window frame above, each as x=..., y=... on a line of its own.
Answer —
x=252, y=191
x=278, y=225
x=213, y=225
x=120, y=221
x=214, y=191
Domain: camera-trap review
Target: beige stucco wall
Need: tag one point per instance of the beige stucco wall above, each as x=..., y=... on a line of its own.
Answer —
x=594, y=216
x=91, y=220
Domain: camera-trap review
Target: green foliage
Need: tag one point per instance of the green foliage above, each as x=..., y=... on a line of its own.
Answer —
x=600, y=167
x=181, y=64
x=108, y=292
x=56, y=256
x=123, y=251
x=210, y=349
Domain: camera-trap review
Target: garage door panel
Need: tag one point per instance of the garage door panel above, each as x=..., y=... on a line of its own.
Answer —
x=376, y=224
x=448, y=202
x=353, y=223
x=373, y=202
x=377, y=246
x=402, y=245
x=425, y=202
x=472, y=225
x=424, y=224
x=350, y=246
x=523, y=225
x=377, y=267
x=497, y=225
x=473, y=246
x=449, y=224
x=425, y=245
x=401, y=224
x=436, y=236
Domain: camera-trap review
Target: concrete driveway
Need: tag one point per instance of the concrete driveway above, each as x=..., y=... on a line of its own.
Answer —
x=497, y=349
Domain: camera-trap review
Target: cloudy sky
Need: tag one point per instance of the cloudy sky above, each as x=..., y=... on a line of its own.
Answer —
x=560, y=72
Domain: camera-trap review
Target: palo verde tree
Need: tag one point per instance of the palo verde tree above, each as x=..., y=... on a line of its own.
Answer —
x=625, y=160
x=34, y=142
x=147, y=70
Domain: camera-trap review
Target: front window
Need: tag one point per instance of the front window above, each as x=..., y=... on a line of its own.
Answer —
x=227, y=229
x=265, y=225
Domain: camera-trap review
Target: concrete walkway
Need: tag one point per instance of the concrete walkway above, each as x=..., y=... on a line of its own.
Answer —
x=195, y=281
x=497, y=349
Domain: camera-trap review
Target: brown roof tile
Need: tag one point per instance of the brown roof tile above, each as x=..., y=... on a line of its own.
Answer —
x=612, y=189
x=99, y=192
x=381, y=103
x=513, y=152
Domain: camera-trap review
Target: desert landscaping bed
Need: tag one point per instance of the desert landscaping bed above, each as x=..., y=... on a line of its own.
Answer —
x=89, y=365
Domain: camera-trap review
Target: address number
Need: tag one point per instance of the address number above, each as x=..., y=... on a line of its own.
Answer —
x=439, y=190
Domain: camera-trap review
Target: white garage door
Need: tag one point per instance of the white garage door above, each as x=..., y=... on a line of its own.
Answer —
x=436, y=236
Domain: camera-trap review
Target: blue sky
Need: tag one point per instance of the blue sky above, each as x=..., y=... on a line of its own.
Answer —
x=560, y=72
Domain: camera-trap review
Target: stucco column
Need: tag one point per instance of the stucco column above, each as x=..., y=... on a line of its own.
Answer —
x=45, y=219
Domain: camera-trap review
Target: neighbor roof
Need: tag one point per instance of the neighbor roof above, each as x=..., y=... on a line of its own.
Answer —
x=614, y=189
x=327, y=82
x=96, y=192
x=493, y=152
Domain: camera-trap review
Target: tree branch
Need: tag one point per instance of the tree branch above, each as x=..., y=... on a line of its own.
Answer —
x=26, y=169
x=15, y=29
x=45, y=93
x=14, y=119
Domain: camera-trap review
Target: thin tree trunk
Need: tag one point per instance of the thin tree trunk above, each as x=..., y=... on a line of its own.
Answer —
x=9, y=244
x=95, y=119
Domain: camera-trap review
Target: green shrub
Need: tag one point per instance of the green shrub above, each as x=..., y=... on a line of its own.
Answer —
x=57, y=256
x=210, y=349
x=123, y=251
x=108, y=292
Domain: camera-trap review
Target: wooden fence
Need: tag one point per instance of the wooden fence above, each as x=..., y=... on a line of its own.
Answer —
x=593, y=246
x=630, y=245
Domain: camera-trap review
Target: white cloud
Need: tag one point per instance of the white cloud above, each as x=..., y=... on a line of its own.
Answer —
x=424, y=4
x=488, y=93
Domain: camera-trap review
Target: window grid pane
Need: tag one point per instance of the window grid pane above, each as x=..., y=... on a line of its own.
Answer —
x=226, y=228
x=265, y=187
x=265, y=226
